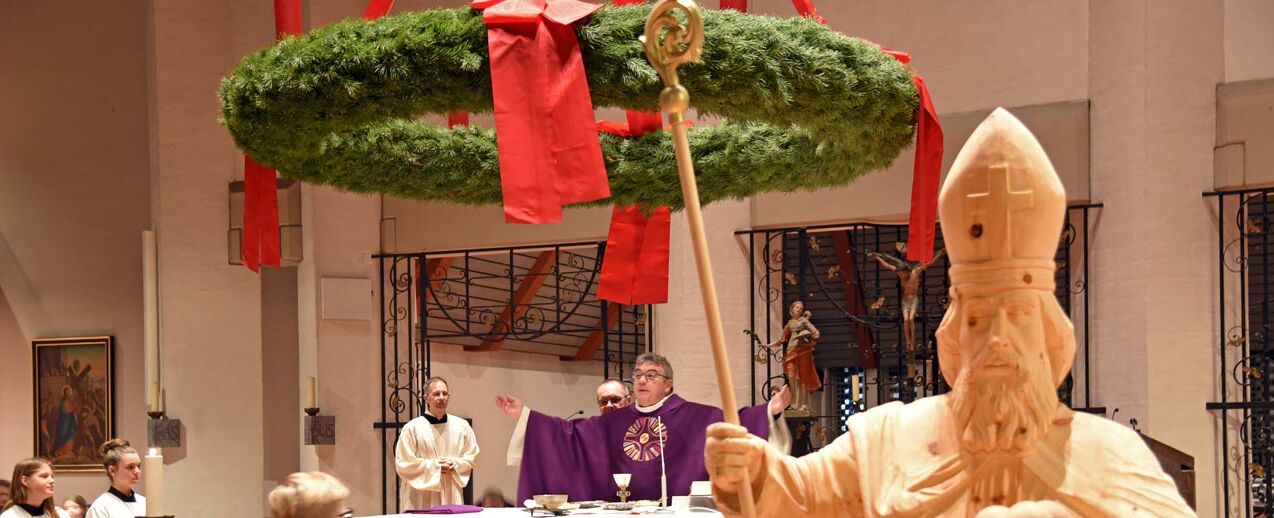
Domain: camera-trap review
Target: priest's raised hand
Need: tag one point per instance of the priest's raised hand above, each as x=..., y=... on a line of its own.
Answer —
x=510, y=405
x=660, y=432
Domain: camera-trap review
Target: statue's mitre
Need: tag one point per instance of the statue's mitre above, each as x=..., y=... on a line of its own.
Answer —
x=1001, y=209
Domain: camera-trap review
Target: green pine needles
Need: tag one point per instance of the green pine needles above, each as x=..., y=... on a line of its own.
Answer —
x=804, y=107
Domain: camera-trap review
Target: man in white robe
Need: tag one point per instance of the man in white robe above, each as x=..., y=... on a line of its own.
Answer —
x=435, y=453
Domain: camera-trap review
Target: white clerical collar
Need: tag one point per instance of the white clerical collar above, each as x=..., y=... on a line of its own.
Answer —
x=652, y=408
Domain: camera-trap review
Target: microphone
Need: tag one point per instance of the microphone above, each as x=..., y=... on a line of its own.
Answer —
x=663, y=469
x=574, y=414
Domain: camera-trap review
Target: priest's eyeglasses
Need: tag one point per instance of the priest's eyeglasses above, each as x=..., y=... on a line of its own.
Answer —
x=612, y=400
x=648, y=376
x=347, y=513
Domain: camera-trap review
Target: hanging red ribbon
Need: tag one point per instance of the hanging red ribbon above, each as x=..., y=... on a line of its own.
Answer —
x=377, y=9
x=925, y=178
x=260, y=184
x=635, y=268
x=548, y=147
x=807, y=10
x=927, y=173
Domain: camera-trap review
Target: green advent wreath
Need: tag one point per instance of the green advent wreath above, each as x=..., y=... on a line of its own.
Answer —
x=803, y=107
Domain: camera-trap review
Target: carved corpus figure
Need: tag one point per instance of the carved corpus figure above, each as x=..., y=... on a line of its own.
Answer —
x=798, y=364
x=909, y=280
x=1000, y=443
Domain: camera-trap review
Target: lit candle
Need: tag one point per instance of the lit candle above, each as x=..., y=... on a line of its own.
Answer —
x=311, y=396
x=153, y=475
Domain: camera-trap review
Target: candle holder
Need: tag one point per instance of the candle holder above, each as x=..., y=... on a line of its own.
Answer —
x=162, y=432
x=320, y=430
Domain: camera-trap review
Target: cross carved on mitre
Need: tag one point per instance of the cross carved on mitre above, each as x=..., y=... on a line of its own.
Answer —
x=998, y=194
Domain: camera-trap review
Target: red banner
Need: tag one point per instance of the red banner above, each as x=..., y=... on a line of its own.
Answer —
x=261, y=245
x=926, y=178
x=927, y=173
x=377, y=9
x=545, y=132
x=807, y=10
x=635, y=268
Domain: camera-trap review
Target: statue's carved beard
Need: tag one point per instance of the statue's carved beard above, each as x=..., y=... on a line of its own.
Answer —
x=1005, y=415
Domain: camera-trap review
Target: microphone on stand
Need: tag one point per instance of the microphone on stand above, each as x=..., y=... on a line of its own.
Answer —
x=574, y=414
x=663, y=469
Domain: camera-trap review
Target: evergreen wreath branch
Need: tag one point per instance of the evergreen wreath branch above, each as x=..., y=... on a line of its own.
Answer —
x=804, y=107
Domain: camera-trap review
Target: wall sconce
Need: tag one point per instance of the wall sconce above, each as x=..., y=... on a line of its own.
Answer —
x=290, y=241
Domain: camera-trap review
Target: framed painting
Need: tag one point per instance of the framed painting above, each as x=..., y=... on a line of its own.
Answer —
x=74, y=396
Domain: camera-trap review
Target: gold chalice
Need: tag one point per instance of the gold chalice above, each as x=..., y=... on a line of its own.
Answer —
x=622, y=480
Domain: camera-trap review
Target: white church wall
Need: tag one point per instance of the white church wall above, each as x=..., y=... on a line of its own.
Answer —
x=210, y=325
x=74, y=199
x=974, y=55
x=1248, y=40
x=885, y=196
x=1153, y=120
x=1245, y=133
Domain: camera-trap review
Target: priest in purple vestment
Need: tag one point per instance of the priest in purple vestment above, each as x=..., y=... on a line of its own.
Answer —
x=579, y=457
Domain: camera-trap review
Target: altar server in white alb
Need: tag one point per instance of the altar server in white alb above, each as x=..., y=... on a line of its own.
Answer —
x=124, y=469
x=435, y=453
x=32, y=491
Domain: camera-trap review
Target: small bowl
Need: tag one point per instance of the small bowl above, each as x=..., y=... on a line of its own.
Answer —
x=550, y=501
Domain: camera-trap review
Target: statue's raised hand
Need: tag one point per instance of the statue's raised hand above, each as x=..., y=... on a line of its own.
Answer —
x=729, y=451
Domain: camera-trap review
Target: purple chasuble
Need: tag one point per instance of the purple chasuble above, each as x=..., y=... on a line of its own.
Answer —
x=578, y=457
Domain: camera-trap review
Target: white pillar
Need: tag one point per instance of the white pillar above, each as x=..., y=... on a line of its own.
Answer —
x=1153, y=70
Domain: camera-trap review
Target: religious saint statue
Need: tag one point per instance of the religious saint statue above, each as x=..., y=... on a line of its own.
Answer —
x=798, y=364
x=909, y=273
x=1000, y=443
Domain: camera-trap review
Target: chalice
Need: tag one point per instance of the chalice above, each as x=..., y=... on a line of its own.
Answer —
x=622, y=480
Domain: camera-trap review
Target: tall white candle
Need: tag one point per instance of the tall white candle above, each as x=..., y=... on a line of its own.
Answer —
x=153, y=476
x=311, y=395
x=152, y=398
x=150, y=314
x=853, y=388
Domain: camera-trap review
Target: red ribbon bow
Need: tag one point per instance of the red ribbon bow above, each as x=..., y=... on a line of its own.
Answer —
x=548, y=147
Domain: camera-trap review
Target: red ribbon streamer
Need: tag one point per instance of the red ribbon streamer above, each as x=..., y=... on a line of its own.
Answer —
x=260, y=216
x=261, y=245
x=377, y=9
x=925, y=178
x=548, y=147
x=635, y=268
x=927, y=173
x=806, y=9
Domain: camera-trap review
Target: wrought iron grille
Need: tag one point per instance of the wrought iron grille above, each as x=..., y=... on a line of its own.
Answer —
x=535, y=299
x=1245, y=276
x=861, y=339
